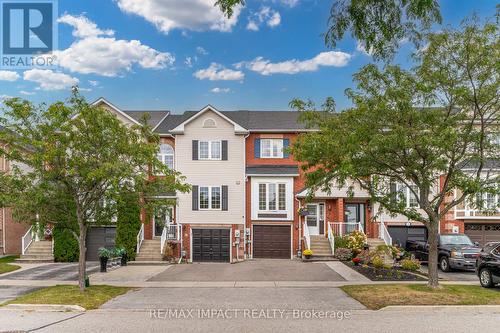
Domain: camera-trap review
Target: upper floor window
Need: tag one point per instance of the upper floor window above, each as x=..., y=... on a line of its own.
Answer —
x=210, y=197
x=166, y=155
x=272, y=196
x=209, y=150
x=271, y=148
x=406, y=194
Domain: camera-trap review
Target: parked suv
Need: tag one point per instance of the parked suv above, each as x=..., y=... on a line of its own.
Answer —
x=488, y=265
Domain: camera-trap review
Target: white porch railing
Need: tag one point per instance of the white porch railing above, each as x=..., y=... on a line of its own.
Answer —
x=27, y=240
x=171, y=232
x=343, y=228
x=384, y=234
x=331, y=238
x=307, y=236
x=140, y=238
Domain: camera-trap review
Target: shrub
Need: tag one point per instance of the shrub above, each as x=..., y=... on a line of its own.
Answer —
x=128, y=223
x=65, y=245
x=364, y=256
x=410, y=264
x=341, y=242
x=343, y=254
x=356, y=240
x=378, y=262
x=105, y=253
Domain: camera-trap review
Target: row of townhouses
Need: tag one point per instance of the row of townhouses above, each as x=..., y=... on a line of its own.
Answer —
x=248, y=191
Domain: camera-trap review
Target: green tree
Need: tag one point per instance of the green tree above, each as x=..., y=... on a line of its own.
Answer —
x=429, y=129
x=379, y=26
x=128, y=222
x=72, y=162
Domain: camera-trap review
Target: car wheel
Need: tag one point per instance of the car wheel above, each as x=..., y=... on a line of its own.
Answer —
x=444, y=264
x=485, y=278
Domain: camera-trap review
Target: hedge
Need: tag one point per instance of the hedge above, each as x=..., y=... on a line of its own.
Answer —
x=65, y=245
x=128, y=223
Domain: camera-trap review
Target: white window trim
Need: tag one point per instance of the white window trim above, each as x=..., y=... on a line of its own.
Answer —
x=277, y=197
x=210, y=198
x=272, y=141
x=402, y=188
x=161, y=157
x=210, y=158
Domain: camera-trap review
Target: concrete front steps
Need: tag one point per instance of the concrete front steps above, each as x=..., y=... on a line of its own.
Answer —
x=149, y=252
x=320, y=247
x=374, y=242
x=38, y=252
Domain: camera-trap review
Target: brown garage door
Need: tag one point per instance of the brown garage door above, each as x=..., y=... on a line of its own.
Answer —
x=483, y=233
x=271, y=241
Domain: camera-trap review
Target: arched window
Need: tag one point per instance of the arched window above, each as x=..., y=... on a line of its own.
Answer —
x=166, y=155
x=209, y=123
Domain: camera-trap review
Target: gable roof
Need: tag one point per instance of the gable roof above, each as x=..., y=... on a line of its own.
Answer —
x=179, y=129
x=155, y=116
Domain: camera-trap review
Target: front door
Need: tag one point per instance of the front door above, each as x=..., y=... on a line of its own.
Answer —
x=160, y=220
x=354, y=213
x=316, y=218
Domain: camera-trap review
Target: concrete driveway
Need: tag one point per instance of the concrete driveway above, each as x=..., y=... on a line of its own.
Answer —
x=251, y=270
x=56, y=271
x=10, y=292
x=455, y=275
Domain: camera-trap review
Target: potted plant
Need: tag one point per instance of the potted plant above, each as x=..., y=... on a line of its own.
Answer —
x=303, y=211
x=356, y=261
x=123, y=255
x=104, y=255
x=307, y=253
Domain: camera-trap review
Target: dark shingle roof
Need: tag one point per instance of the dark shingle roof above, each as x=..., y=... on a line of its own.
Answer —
x=154, y=116
x=250, y=120
x=489, y=164
x=272, y=170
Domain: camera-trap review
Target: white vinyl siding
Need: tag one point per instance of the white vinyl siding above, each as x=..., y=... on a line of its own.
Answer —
x=271, y=148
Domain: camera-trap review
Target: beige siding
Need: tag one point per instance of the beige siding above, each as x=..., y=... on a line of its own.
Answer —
x=118, y=115
x=212, y=173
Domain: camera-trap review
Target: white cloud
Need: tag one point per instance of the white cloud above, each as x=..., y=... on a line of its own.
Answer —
x=196, y=15
x=83, y=26
x=266, y=15
x=4, y=97
x=294, y=66
x=27, y=93
x=217, y=72
x=188, y=62
x=288, y=3
x=201, y=50
x=105, y=55
x=218, y=90
x=9, y=76
x=50, y=80
x=93, y=83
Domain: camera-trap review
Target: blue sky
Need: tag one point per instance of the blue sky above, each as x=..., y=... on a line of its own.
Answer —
x=182, y=55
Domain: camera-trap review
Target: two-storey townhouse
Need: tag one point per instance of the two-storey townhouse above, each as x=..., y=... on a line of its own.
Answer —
x=480, y=221
x=11, y=232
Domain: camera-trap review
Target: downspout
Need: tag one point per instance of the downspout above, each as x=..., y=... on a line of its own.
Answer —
x=245, y=250
x=300, y=228
x=177, y=211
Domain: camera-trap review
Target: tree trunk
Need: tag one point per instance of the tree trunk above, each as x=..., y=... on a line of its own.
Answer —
x=433, y=230
x=82, y=257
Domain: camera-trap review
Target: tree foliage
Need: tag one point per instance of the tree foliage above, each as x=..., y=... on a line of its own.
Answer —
x=72, y=160
x=380, y=26
x=431, y=129
x=128, y=223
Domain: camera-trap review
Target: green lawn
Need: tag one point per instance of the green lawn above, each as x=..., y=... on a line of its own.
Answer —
x=378, y=296
x=92, y=298
x=5, y=265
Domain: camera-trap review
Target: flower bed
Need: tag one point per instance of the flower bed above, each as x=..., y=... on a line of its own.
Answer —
x=385, y=274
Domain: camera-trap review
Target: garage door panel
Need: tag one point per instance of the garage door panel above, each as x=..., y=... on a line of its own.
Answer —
x=483, y=233
x=271, y=242
x=211, y=244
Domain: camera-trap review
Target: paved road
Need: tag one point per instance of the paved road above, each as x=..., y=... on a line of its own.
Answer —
x=59, y=271
x=252, y=270
x=10, y=292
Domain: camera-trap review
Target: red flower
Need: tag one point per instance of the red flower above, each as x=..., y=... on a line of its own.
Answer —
x=356, y=260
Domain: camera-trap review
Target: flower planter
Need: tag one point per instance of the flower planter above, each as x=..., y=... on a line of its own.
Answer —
x=124, y=259
x=104, y=264
x=307, y=256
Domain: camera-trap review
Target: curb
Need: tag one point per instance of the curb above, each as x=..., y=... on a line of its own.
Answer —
x=45, y=307
x=439, y=307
